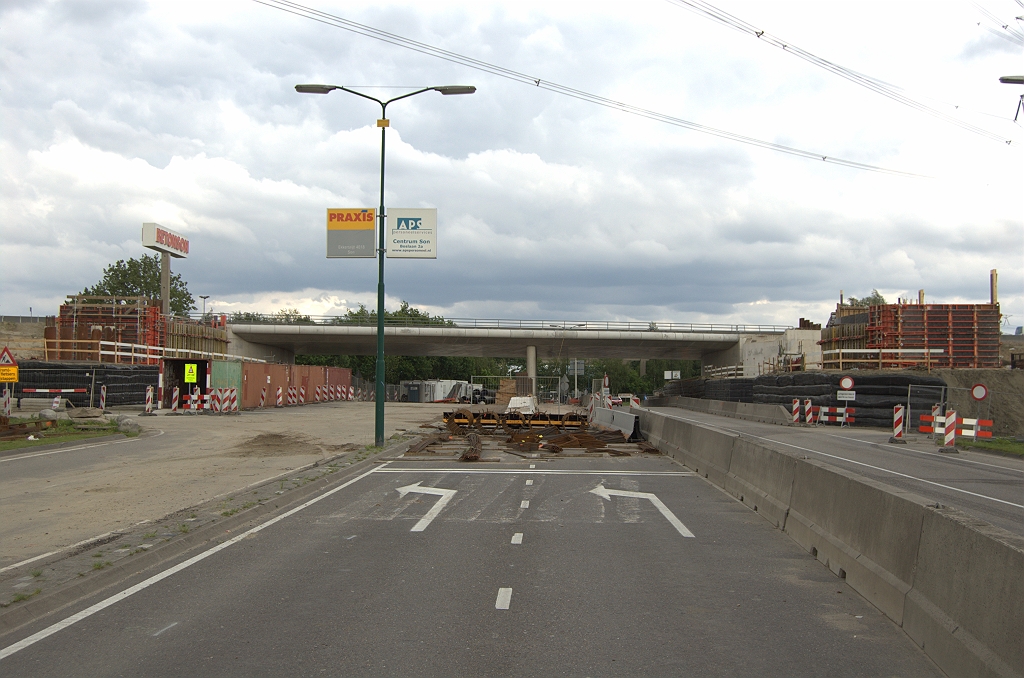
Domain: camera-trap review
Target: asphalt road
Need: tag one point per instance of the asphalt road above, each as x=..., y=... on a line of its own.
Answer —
x=986, y=486
x=436, y=568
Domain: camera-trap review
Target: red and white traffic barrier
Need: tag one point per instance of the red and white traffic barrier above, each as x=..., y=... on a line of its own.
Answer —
x=810, y=413
x=280, y=397
x=175, y=397
x=796, y=411
x=293, y=395
x=949, y=432
x=302, y=395
x=7, y=402
x=969, y=428
x=228, y=400
x=972, y=428
x=837, y=415
x=103, y=397
x=316, y=394
x=216, y=400
x=897, y=421
x=56, y=403
x=149, y=400
x=359, y=394
x=263, y=397
x=54, y=390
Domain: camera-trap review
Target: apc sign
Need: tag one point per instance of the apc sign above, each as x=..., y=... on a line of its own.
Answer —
x=412, y=233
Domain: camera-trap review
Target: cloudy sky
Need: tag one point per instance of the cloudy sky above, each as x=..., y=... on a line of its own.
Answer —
x=184, y=113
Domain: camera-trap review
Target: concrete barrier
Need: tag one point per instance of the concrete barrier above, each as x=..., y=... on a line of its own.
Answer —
x=769, y=414
x=955, y=584
x=618, y=420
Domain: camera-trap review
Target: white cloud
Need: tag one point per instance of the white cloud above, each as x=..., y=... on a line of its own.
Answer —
x=549, y=207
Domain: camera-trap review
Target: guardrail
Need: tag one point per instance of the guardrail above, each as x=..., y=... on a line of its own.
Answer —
x=500, y=323
x=844, y=358
x=114, y=351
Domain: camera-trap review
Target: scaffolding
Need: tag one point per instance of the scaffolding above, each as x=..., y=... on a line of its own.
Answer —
x=900, y=336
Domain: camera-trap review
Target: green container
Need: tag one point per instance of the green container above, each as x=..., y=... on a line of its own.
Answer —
x=227, y=374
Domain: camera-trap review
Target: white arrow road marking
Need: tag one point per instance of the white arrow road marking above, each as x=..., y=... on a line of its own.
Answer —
x=605, y=493
x=446, y=496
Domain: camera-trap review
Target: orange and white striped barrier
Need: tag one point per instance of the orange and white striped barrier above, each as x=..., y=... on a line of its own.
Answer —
x=149, y=400
x=280, y=397
x=263, y=397
x=103, y=397
x=316, y=394
x=175, y=397
x=302, y=395
x=351, y=392
x=796, y=411
x=968, y=428
x=292, y=395
x=215, y=399
x=228, y=400
x=7, y=402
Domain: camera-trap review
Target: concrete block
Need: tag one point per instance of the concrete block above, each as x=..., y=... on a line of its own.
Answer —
x=967, y=606
x=865, y=531
x=762, y=479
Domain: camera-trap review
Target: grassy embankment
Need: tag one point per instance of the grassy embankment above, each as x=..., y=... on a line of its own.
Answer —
x=60, y=432
x=1007, y=446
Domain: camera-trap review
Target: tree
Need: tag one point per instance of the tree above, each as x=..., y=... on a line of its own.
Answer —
x=141, y=278
x=873, y=299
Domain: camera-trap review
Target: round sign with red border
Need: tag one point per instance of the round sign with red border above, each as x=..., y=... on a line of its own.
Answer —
x=846, y=383
x=979, y=391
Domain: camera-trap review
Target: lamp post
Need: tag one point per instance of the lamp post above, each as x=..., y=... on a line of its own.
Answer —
x=383, y=123
x=1014, y=80
x=204, y=297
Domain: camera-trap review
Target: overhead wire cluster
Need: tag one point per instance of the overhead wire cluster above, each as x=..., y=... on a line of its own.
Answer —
x=874, y=84
x=502, y=72
x=1006, y=31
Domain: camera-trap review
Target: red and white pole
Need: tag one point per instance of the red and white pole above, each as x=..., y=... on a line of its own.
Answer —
x=263, y=397
x=149, y=400
x=897, y=422
x=7, y=402
x=796, y=410
x=103, y=397
x=280, y=397
x=950, y=437
x=175, y=396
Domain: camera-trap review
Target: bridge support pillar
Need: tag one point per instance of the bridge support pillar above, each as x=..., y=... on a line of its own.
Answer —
x=531, y=366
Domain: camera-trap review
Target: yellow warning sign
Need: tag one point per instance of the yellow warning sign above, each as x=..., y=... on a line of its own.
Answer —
x=191, y=370
x=8, y=374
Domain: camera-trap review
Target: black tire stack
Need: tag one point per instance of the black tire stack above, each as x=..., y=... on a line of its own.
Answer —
x=877, y=394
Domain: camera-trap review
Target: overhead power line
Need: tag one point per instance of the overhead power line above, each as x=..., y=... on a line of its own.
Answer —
x=874, y=84
x=469, y=62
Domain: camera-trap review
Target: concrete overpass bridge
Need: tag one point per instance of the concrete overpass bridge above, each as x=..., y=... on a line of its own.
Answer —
x=544, y=339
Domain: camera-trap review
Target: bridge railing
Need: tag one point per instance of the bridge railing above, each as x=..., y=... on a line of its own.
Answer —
x=504, y=323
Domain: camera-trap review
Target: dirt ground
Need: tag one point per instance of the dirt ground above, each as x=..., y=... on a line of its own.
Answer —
x=1005, y=402
x=53, y=499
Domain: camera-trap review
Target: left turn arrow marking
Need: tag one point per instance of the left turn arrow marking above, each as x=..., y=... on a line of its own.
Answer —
x=607, y=494
x=446, y=496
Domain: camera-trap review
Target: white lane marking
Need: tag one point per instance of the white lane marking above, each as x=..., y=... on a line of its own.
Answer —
x=533, y=466
x=446, y=496
x=79, y=447
x=118, y=597
x=517, y=538
x=524, y=504
x=26, y=562
x=607, y=494
x=504, y=599
x=530, y=481
x=550, y=472
x=938, y=455
x=169, y=626
x=860, y=463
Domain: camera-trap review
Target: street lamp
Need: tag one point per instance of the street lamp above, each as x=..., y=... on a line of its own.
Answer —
x=383, y=123
x=204, y=297
x=1014, y=80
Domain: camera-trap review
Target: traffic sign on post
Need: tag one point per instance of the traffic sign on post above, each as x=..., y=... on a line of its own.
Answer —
x=846, y=383
x=8, y=367
x=978, y=391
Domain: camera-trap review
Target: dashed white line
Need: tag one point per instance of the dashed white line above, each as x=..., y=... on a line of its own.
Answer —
x=530, y=481
x=525, y=504
x=169, y=626
x=517, y=538
x=78, y=447
x=533, y=466
x=504, y=599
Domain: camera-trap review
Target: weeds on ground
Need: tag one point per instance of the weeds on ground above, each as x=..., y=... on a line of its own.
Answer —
x=18, y=597
x=1004, y=445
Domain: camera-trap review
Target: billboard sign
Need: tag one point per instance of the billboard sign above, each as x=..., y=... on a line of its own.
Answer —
x=412, y=233
x=351, y=233
x=156, y=237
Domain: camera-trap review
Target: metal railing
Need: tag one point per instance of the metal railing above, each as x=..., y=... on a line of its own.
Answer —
x=114, y=351
x=502, y=323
